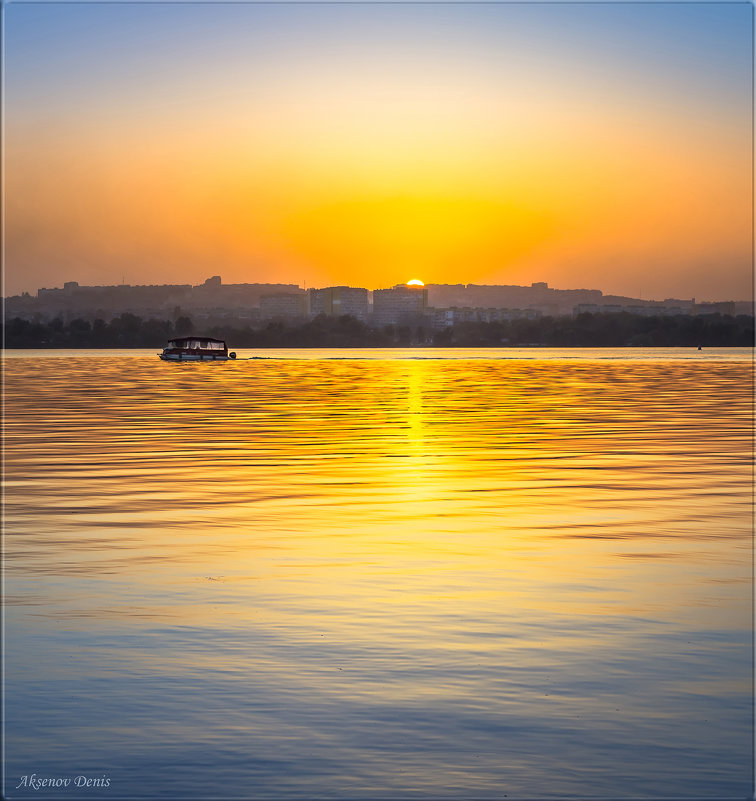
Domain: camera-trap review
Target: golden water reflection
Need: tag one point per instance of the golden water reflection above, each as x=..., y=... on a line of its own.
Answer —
x=387, y=577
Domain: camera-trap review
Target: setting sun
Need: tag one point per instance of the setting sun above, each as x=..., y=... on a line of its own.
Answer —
x=415, y=282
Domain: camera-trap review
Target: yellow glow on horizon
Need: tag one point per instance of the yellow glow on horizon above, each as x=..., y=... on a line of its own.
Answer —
x=415, y=282
x=500, y=201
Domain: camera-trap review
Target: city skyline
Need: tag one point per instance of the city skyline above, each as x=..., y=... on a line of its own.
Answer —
x=217, y=282
x=262, y=302
x=599, y=145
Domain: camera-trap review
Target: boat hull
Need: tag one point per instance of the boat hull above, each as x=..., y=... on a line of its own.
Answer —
x=187, y=357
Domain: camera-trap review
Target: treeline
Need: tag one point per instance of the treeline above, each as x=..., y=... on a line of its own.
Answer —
x=620, y=329
x=126, y=331
x=584, y=330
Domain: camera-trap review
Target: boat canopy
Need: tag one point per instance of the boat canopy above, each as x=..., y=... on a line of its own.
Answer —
x=197, y=343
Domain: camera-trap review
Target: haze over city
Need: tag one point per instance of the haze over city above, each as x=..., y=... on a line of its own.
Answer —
x=592, y=145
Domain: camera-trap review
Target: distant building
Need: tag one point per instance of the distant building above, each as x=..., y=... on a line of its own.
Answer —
x=400, y=304
x=685, y=306
x=538, y=295
x=547, y=309
x=336, y=301
x=443, y=318
x=651, y=309
x=725, y=307
x=282, y=306
x=210, y=300
x=214, y=293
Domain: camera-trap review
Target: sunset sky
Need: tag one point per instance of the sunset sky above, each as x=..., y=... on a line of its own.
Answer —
x=601, y=146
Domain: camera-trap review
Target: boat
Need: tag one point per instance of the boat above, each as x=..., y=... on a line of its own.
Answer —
x=196, y=349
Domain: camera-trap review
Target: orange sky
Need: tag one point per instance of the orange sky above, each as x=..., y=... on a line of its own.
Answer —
x=367, y=159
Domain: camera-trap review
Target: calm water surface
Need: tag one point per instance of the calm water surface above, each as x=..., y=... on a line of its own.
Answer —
x=380, y=574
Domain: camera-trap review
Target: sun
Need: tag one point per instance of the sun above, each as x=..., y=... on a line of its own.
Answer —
x=415, y=282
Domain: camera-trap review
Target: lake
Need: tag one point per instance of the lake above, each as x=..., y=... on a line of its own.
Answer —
x=417, y=574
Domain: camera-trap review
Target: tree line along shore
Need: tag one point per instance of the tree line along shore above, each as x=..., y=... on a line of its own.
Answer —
x=583, y=330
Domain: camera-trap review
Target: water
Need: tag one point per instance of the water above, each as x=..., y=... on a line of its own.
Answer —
x=414, y=574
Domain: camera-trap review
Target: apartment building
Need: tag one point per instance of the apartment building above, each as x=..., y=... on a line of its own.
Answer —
x=336, y=301
x=400, y=304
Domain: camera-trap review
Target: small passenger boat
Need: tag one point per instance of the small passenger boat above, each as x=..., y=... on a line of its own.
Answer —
x=196, y=349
